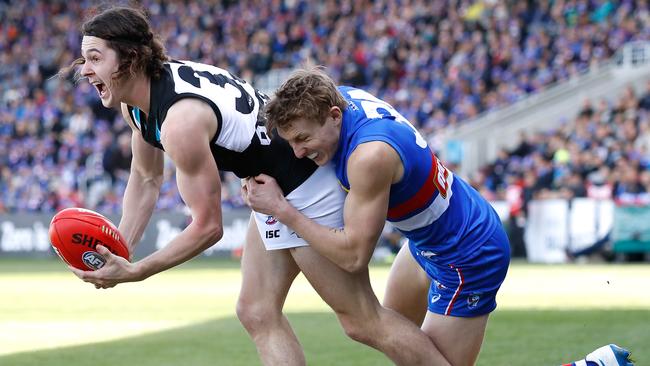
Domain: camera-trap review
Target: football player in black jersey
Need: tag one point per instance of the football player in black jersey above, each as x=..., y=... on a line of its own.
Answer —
x=206, y=119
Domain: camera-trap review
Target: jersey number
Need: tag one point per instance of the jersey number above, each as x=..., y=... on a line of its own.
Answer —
x=244, y=103
x=377, y=108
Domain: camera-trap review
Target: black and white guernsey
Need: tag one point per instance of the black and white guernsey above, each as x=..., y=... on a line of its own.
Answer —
x=241, y=144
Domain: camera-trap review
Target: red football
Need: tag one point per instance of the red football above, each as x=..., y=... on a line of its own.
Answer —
x=75, y=232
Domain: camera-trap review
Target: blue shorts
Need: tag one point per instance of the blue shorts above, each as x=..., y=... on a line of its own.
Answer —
x=468, y=290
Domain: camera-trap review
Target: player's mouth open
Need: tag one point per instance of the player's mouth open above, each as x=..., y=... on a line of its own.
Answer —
x=101, y=89
x=313, y=155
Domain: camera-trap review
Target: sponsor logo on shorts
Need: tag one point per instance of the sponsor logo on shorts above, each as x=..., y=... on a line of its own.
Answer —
x=435, y=298
x=272, y=234
x=439, y=285
x=270, y=220
x=427, y=253
x=93, y=260
x=472, y=300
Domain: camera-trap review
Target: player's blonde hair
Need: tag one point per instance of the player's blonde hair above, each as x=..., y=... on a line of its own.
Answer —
x=307, y=94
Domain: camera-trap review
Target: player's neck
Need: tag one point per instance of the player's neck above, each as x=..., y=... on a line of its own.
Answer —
x=139, y=91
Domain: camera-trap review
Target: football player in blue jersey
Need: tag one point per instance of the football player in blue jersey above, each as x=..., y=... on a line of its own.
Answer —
x=447, y=277
x=205, y=120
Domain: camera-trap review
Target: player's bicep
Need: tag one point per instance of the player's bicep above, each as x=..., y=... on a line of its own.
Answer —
x=370, y=170
x=187, y=141
x=200, y=188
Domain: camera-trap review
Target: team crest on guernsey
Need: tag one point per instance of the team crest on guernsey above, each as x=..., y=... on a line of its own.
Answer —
x=472, y=299
x=270, y=220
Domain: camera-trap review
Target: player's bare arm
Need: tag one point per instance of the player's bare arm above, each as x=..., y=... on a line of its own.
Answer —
x=372, y=168
x=143, y=186
x=185, y=134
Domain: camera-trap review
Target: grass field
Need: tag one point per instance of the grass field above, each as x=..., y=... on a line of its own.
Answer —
x=547, y=315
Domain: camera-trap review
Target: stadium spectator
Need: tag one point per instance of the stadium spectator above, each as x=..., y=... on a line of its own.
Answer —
x=438, y=63
x=603, y=154
x=117, y=158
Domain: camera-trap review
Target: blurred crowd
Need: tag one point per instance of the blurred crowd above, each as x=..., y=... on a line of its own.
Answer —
x=603, y=153
x=438, y=62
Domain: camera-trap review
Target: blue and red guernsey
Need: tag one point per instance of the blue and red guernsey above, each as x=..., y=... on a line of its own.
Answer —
x=438, y=212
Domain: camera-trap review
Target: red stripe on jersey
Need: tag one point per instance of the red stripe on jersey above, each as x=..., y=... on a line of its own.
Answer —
x=420, y=198
x=461, y=279
x=442, y=183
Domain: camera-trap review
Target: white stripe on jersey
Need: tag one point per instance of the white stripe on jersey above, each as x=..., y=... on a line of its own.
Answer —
x=430, y=214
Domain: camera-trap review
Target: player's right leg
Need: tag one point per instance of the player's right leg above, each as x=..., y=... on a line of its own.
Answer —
x=407, y=287
x=363, y=318
x=267, y=276
x=458, y=339
x=459, y=299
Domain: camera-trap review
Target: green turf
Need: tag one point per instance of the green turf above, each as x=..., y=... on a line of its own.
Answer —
x=547, y=315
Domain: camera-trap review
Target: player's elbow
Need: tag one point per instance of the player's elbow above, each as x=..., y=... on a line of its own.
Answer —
x=211, y=235
x=216, y=234
x=357, y=262
x=354, y=266
x=147, y=177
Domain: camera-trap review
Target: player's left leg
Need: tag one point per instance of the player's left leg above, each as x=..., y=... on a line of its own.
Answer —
x=351, y=296
x=266, y=278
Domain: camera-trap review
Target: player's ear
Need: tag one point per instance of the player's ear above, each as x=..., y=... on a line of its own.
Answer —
x=336, y=114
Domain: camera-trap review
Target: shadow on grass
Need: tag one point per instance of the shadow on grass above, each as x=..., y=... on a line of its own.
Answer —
x=514, y=337
x=217, y=342
x=52, y=264
x=544, y=337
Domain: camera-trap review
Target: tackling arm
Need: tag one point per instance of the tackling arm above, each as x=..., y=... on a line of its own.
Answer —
x=372, y=168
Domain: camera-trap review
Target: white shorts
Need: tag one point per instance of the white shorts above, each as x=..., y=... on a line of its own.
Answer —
x=320, y=198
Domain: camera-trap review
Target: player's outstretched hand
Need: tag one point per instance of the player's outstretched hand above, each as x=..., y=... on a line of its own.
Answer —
x=263, y=195
x=115, y=270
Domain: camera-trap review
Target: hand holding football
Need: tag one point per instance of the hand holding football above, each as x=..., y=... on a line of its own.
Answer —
x=76, y=232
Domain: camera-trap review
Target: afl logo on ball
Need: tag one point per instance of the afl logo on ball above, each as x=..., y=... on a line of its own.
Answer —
x=93, y=260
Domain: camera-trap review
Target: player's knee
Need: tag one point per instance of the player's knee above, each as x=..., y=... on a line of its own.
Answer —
x=356, y=328
x=254, y=314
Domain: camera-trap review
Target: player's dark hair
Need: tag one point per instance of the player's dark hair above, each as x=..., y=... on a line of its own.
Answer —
x=129, y=33
x=308, y=94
